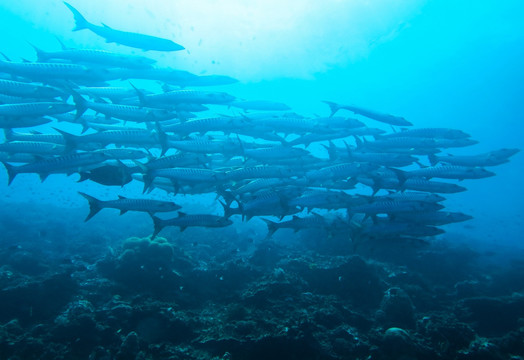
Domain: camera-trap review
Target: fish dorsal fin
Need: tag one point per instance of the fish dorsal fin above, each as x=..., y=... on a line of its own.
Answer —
x=295, y=217
x=181, y=214
x=121, y=197
x=107, y=27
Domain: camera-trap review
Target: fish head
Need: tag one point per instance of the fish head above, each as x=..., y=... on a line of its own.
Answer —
x=481, y=172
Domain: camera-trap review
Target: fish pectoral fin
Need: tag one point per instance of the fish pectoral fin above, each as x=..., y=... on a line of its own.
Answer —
x=43, y=176
x=122, y=211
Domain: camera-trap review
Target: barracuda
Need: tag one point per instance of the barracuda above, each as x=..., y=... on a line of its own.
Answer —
x=136, y=40
x=62, y=164
x=124, y=205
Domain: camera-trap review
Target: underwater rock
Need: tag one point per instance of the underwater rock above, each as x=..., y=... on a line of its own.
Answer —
x=146, y=265
x=396, y=309
x=32, y=301
x=445, y=334
x=492, y=316
x=398, y=344
x=353, y=280
x=481, y=349
x=130, y=347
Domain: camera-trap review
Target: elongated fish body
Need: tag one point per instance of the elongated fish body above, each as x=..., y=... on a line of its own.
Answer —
x=176, y=160
x=187, y=97
x=450, y=172
x=322, y=199
x=400, y=143
x=127, y=137
x=182, y=176
x=385, y=118
x=289, y=125
x=204, y=146
x=394, y=206
x=259, y=184
x=32, y=147
x=433, y=217
x=124, y=154
x=185, y=174
x=340, y=171
x=259, y=172
x=297, y=223
x=449, y=143
x=274, y=153
x=30, y=90
x=85, y=118
x=10, y=122
x=44, y=71
x=131, y=39
x=167, y=75
x=127, y=112
x=385, y=159
x=410, y=196
x=34, y=137
x=16, y=158
x=180, y=188
x=184, y=221
x=417, y=184
x=432, y=133
x=204, y=125
x=96, y=56
x=263, y=105
x=124, y=205
x=63, y=164
x=339, y=122
x=9, y=99
x=491, y=158
x=113, y=93
x=34, y=109
x=389, y=228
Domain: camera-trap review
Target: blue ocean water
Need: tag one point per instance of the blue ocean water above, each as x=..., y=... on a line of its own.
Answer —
x=436, y=63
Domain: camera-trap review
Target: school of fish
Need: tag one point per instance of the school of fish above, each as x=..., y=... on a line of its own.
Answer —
x=257, y=163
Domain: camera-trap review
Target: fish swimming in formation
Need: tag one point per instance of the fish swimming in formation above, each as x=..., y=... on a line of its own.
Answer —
x=332, y=173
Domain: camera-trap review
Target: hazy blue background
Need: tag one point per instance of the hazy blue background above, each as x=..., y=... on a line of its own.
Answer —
x=437, y=63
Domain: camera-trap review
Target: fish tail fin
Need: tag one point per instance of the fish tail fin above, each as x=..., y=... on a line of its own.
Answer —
x=140, y=94
x=162, y=138
x=8, y=134
x=433, y=160
x=331, y=149
x=334, y=107
x=70, y=140
x=83, y=176
x=80, y=21
x=158, y=226
x=95, y=205
x=227, y=209
x=402, y=176
x=148, y=182
x=11, y=172
x=80, y=103
x=40, y=54
x=271, y=227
